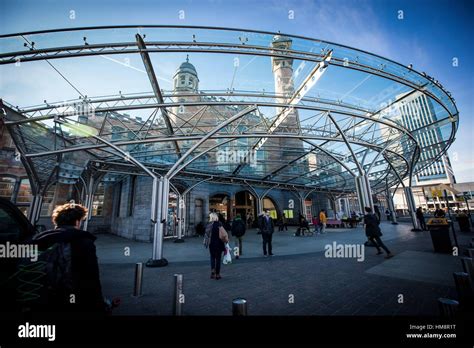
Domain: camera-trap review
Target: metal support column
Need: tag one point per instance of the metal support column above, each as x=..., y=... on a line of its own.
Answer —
x=32, y=208
x=412, y=207
x=35, y=209
x=364, y=193
x=259, y=205
x=16, y=189
x=164, y=204
x=89, y=200
x=157, y=194
x=347, y=206
x=184, y=215
x=180, y=219
x=450, y=218
x=391, y=207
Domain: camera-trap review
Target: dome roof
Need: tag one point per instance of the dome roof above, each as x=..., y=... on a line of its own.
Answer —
x=186, y=67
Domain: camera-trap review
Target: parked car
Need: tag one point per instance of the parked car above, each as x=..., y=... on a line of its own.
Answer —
x=14, y=229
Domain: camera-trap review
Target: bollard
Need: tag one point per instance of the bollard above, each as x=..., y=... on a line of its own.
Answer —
x=448, y=308
x=137, y=290
x=178, y=295
x=468, y=267
x=465, y=291
x=239, y=307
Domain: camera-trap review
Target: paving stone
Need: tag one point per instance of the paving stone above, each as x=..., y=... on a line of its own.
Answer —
x=321, y=286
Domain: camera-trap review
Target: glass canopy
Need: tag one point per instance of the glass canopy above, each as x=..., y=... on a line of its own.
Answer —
x=226, y=104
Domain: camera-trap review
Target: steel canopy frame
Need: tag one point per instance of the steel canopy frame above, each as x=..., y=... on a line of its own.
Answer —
x=399, y=164
x=155, y=86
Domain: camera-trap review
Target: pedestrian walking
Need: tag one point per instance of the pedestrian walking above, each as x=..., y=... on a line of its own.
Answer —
x=215, y=238
x=322, y=221
x=238, y=231
x=373, y=232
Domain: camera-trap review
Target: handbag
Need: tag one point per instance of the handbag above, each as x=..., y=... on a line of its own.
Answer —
x=223, y=235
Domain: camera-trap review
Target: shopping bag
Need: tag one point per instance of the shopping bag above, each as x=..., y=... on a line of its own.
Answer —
x=227, y=256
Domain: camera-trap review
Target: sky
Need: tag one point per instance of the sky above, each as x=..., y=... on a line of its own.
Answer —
x=427, y=34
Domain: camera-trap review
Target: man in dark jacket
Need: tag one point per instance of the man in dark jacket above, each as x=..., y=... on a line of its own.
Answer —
x=85, y=294
x=373, y=233
x=421, y=218
x=238, y=231
x=265, y=224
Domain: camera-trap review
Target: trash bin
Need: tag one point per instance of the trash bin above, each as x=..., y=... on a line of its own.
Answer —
x=439, y=231
x=464, y=224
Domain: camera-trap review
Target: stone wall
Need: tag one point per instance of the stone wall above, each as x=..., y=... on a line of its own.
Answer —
x=138, y=226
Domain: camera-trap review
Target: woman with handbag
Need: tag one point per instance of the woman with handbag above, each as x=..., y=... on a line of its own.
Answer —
x=217, y=237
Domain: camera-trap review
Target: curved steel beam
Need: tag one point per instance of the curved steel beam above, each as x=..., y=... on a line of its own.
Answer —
x=174, y=169
x=218, y=136
x=330, y=155
x=258, y=104
x=349, y=147
x=156, y=87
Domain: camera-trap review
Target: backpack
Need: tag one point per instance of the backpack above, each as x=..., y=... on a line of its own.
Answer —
x=46, y=281
x=238, y=228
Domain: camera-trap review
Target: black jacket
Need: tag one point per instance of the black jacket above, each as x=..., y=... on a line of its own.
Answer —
x=215, y=244
x=372, y=228
x=265, y=227
x=419, y=214
x=84, y=266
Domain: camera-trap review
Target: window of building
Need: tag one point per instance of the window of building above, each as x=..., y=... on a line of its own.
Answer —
x=98, y=201
x=7, y=184
x=23, y=197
